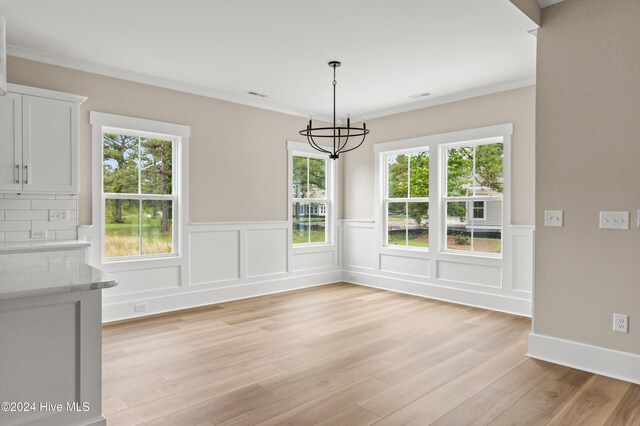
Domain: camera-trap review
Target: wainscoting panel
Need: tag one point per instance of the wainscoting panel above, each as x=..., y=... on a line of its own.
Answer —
x=359, y=244
x=459, y=272
x=522, y=244
x=135, y=281
x=399, y=264
x=266, y=252
x=315, y=260
x=214, y=256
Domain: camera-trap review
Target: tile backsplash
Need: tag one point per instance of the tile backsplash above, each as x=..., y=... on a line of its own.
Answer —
x=20, y=214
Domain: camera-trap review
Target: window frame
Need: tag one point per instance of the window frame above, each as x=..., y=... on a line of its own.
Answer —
x=386, y=200
x=435, y=143
x=179, y=136
x=299, y=149
x=445, y=198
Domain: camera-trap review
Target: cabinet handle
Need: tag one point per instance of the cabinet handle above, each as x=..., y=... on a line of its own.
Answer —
x=17, y=173
x=26, y=174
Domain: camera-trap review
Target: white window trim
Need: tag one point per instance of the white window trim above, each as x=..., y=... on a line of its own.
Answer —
x=437, y=175
x=137, y=126
x=303, y=149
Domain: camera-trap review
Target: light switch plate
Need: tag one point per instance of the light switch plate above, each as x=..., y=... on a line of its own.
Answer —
x=554, y=218
x=58, y=215
x=614, y=220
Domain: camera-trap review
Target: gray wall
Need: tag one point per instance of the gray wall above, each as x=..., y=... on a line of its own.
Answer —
x=513, y=106
x=587, y=160
x=238, y=154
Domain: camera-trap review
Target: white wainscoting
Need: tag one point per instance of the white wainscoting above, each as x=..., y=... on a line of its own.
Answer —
x=220, y=262
x=492, y=283
x=228, y=261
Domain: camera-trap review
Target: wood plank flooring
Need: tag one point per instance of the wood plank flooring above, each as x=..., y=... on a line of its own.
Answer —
x=345, y=355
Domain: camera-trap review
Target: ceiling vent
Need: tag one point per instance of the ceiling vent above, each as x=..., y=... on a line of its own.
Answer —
x=260, y=95
x=420, y=95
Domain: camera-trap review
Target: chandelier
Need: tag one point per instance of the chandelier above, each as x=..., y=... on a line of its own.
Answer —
x=340, y=135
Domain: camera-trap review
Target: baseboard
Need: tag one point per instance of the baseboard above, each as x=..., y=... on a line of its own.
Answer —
x=191, y=298
x=594, y=359
x=477, y=299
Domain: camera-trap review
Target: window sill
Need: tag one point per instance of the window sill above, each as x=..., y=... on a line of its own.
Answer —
x=141, y=263
x=405, y=251
x=312, y=248
x=476, y=257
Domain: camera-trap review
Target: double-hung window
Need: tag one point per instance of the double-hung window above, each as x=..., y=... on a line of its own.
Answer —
x=473, y=196
x=139, y=192
x=310, y=198
x=406, y=199
x=455, y=204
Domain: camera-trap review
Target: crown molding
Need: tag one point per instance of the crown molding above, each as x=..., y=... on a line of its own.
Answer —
x=110, y=71
x=488, y=90
x=547, y=3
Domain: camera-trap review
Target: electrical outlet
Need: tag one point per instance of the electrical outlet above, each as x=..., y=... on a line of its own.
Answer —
x=621, y=323
x=39, y=234
x=141, y=307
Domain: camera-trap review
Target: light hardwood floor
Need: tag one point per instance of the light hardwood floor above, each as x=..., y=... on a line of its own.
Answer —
x=345, y=355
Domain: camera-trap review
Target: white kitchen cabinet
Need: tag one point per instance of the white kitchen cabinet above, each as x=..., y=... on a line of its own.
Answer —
x=10, y=142
x=39, y=141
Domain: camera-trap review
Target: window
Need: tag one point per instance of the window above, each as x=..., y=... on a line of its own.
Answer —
x=459, y=181
x=309, y=198
x=138, y=194
x=473, y=200
x=479, y=209
x=138, y=187
x=406, y=199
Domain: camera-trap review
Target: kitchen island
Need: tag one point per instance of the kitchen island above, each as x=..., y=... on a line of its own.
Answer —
x=50, y=339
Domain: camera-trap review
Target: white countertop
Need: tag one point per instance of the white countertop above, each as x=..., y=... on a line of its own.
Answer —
x=49, y=275
x=36, y=246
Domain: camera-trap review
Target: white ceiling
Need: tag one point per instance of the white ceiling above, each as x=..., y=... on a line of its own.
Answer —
x=390, y=49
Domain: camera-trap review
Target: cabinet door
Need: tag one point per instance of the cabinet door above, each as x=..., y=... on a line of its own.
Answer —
x=49, y=145
x=10, y=142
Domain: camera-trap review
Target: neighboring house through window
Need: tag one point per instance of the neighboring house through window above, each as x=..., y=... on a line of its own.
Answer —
x=474, y=183
x=311, y=198
x=479, y=210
